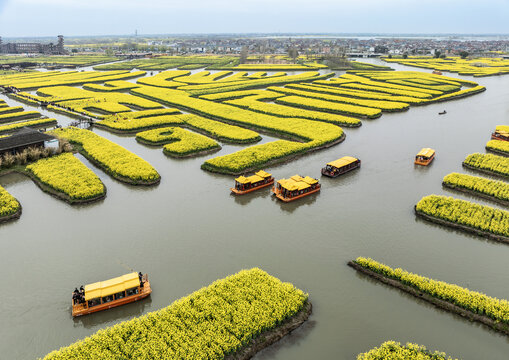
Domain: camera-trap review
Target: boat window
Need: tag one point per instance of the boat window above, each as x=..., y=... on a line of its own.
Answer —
x=120, y=295
x=132, y=291
x=107, y=299
x=94, y=302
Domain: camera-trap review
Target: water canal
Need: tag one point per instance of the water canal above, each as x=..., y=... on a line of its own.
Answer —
x=189, y=231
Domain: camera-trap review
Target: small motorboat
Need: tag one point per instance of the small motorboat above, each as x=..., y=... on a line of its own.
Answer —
x=110, y=293
x=340, y=166
x=442, y=112
x=425, y=157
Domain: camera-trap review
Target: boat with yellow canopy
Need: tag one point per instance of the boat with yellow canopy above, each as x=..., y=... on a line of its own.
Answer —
x=340, y=166
x=110, y=293
x=259, y=180
x=425, y=156
x=501, y=133
x=295, y=188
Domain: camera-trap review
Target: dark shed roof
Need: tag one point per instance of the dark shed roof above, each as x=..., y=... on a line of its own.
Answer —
x=23, y=137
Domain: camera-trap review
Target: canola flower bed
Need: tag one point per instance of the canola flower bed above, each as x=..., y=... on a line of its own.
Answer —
x=416, y=77
x=498, y=146
x=231, y=318
x=253, y=103
x=392, y=350
x=10, y=109
x=460, y=94
x=489, y=189
x=388, y=106
x=327, y=106
x=36, y=80
x=488, y=163
x=23, y=98
x=119, y=85
x=211, y=88
x=232, y=95
x=84, y=101
x=128, y=123
x=178, y=142
x=10, y=208
x=473, y=67
x=316, y=134
x=221, y=131
x=164, y=79
x=117, y=161
x=319, y=91
x=67, y=178
x=20, y=115
x=464, y=215
x=473, y=305
x=32, y=123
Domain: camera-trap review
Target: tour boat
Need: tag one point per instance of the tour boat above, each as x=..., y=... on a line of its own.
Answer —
x=111, y=293
x=425, y=156
x=341, y=166
x=501, y=133
x=259, y=180
x=295, y=188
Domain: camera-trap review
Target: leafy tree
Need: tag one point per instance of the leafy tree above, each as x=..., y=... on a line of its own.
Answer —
x=463, y=54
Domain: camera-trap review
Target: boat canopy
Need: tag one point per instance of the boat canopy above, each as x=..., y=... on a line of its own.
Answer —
x=111, y=286
x=502, y=129
x=263, y=174
x=345, y=160
x=426, y=152
x=242, y=180
x=297, y=182
x=310, y=180
x=259, y=176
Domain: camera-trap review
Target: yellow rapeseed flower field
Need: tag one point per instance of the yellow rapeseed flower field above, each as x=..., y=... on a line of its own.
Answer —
x=473, y=301
x=114, y=159
x=211, y=323
x=67, y=174
x=8, y=203
x=392, y=350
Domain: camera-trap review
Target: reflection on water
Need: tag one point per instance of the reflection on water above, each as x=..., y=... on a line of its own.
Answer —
x=426, y=304
x=295, y=337
x=245, y=199
x=106, y=317
x=290, y=207
x=457, y=231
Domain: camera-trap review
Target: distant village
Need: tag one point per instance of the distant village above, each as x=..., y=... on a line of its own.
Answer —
x=304, y=45
x=307, y=46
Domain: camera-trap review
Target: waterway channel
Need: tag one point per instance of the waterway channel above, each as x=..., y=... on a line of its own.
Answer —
x=189, y=231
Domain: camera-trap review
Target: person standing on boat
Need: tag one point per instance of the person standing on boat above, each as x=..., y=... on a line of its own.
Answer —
x=140, y=276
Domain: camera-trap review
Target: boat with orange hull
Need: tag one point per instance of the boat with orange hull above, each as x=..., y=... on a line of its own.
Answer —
x=110, y=293
x=259, y=180
x=341, y=166
x=424, y=157
x=295, y=188
x=501, y=133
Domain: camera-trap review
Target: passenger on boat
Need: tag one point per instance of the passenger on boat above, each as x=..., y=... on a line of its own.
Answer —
x=140, y=276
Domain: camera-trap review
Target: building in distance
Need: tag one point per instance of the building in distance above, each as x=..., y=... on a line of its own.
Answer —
x=34, y=47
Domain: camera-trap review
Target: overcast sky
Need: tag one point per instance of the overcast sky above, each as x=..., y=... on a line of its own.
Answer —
x=120, y=17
